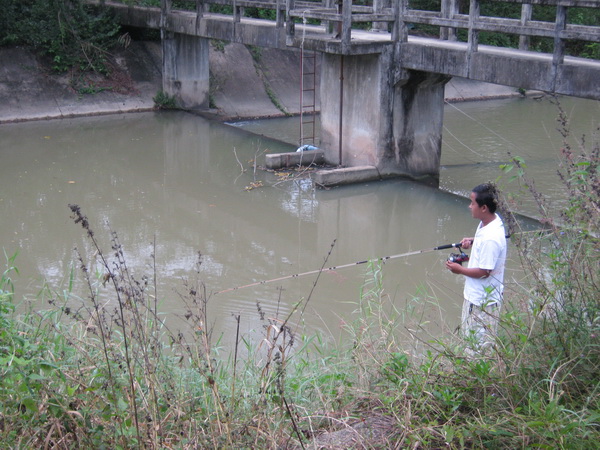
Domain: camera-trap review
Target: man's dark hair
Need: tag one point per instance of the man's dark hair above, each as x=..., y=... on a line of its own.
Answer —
x=486, y=194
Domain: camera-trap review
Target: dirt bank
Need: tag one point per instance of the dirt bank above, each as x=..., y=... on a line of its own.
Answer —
x=244, y=84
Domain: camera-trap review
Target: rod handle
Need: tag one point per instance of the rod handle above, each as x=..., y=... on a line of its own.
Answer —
x=458, y=245
x=442, y=247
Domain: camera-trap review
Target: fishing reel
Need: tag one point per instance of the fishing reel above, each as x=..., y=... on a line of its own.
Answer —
x=458, y=258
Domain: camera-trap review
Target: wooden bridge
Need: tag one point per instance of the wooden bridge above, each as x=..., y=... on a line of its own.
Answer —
x=371, y=41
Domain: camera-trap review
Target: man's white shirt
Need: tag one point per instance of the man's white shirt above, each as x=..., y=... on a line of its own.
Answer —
x=488, y=253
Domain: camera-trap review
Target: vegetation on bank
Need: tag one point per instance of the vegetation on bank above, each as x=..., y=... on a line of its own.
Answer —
x=72, y=37
x=105, y=370
x=72, y=34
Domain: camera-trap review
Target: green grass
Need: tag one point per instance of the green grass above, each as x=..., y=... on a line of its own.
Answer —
x=162, y=100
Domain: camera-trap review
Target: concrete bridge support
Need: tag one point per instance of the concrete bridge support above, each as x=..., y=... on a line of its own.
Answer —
x=186, y=69
x=372, y=117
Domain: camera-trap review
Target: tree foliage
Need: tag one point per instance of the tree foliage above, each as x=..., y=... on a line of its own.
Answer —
x=72, y=34
x=543, y=13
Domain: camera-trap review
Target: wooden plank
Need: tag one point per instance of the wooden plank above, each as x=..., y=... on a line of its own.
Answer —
x=473, y=34
x=509, y=26
x=526, y=12
x=559, y=44
x=567, y=3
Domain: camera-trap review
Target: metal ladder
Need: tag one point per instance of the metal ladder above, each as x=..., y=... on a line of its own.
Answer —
x=308, y=96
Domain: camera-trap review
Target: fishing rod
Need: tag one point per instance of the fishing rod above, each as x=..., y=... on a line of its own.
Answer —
x=343, y=266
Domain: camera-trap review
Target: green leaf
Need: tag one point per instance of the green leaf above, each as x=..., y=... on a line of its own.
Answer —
x=122, y=404
x=72, y=389
x=500, y=432
x=47, y=366
x=30, y=404
x=36, y=377
x=16, y=361
x=536, y=423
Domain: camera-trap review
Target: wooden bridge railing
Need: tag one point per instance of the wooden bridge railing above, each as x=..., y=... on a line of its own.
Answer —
x=400, y=15
x=397, y=16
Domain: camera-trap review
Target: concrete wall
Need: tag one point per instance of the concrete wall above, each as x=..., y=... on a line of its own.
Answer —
x=186, y=69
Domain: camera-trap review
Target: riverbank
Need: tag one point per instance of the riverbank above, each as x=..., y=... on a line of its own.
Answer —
x=244, y=84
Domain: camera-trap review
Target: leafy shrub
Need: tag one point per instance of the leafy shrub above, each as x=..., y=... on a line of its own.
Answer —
x=162, y=100
x=71, y=33
x=565, y=291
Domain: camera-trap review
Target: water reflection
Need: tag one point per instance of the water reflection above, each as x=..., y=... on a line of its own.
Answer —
x=174, y=184
x=479, y=136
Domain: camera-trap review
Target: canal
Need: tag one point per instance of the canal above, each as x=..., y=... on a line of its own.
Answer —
x=172, y=185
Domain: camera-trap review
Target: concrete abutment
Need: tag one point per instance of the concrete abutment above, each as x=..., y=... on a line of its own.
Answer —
x=371, y=119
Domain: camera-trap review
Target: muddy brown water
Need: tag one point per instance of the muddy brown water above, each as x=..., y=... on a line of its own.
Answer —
x=173, y=184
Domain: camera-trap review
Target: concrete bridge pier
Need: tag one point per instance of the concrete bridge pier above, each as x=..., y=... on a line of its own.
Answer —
x=186, y=69
x=371, y=117
x=417, y=125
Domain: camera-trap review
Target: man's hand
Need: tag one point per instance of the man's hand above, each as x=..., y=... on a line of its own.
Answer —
x=466, y=242
x=454, y=267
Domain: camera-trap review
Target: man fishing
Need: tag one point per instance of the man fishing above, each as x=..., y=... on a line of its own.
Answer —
x=484, y=274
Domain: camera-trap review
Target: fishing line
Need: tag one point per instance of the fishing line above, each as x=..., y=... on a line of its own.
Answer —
x=447, y=130
x=484, y=126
